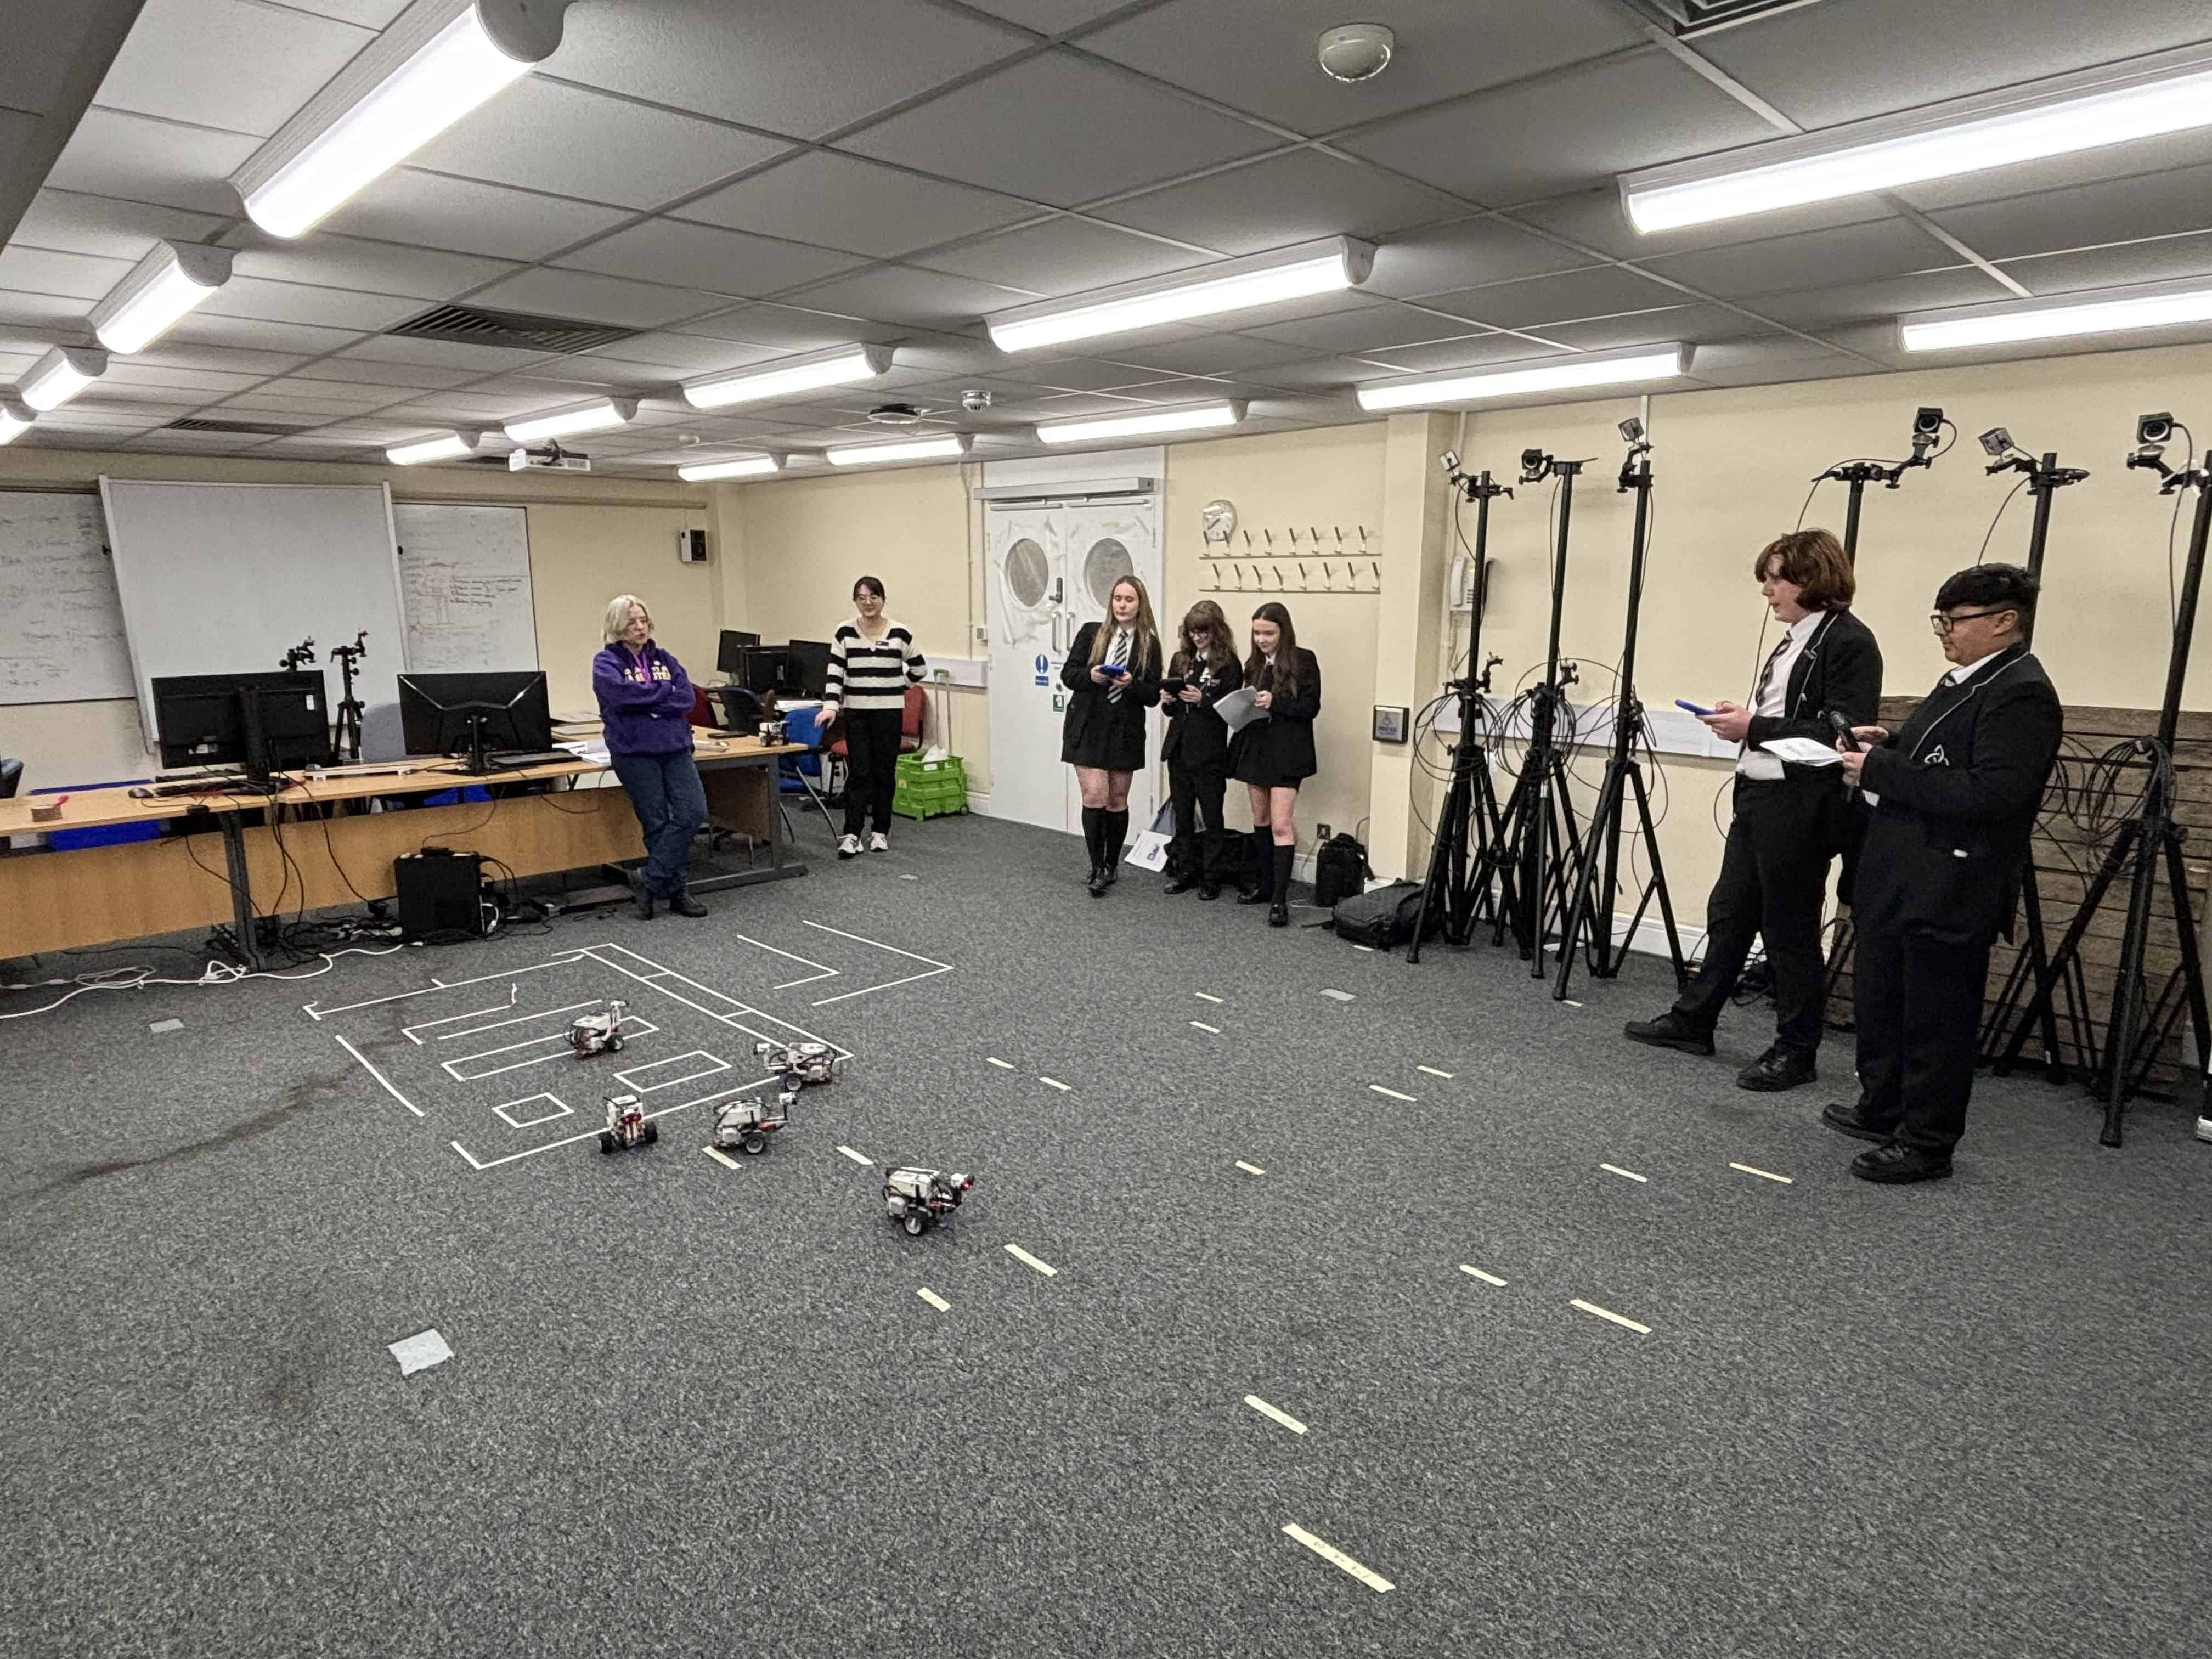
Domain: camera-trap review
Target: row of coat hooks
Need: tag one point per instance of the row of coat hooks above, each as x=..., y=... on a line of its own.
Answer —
x=1285, y=575
x=1314, y=544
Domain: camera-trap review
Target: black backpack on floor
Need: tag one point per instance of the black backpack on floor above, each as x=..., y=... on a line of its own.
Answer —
x=1384, y=916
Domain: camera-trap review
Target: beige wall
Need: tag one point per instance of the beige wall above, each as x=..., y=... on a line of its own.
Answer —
x=590, y=538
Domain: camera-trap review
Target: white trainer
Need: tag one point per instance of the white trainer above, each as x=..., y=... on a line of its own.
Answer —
x=848, y=846
x=879, y=843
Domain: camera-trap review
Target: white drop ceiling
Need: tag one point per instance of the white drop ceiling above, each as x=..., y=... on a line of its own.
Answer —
x=742, y=183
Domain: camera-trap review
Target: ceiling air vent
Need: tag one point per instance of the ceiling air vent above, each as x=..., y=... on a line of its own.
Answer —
x=517, y=330
x=1688, y=17
x=258, y=428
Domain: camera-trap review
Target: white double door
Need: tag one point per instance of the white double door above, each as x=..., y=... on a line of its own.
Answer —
x=1052, y=566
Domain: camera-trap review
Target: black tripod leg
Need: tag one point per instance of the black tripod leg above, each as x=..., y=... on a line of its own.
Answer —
x=2121, y=1034
x=2038, y=953
x=1586, y=872
x=2192, y=964
x=1442, y=862
x=1650, y=832
x=2069, y=947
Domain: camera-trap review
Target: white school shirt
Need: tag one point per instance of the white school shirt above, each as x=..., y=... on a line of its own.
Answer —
x=1774, y=699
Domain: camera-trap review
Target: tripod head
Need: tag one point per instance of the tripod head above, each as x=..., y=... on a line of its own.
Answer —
x=2153, y=434
x=2043, y=475
x=350, y=654
x=1927, y=424
x=1536, y=466
x=1633, y=476
x=1474, y=486
x=302, y=652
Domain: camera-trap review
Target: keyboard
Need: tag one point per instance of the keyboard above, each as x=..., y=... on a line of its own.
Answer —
x=515, y=759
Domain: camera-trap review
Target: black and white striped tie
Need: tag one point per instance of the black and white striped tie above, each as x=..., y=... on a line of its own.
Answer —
x=1766, y=673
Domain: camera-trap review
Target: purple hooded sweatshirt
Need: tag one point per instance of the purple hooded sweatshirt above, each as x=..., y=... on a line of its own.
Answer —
x=645, y=701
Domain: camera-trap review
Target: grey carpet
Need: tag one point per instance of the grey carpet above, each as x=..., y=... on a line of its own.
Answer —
x=695, y=1410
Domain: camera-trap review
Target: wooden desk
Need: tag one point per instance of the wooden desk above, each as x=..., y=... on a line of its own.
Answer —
x=98, y=894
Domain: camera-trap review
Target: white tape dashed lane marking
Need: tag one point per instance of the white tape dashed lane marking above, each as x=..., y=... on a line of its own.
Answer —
x=1206, y=996
x=720, y=1157
x=1477, y=1272
x=857, y=1158
x=1364, y=950
x=1250, y=1169
x=1596, y=1312
x=1054, y=1083
x=1336, y=1558
x=1570, y=1002
x=380, y=1076
x=1282, y=1417
x=1003, y=1064
x=1626, y=1175
x=930, y=1296
x=1766, y=1174
x=1432, y=1071
x=1378, y=1088
x=1022, y=1256
x=1203, y=1026
x=1340, y=996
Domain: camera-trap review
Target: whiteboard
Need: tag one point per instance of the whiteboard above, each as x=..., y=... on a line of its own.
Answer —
x=217, y=578
x=61, y=625
x=464, y=573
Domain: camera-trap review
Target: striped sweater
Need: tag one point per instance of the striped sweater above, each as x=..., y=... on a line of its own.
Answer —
x=867, y=674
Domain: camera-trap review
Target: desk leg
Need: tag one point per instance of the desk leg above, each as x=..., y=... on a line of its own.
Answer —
x=241, y=890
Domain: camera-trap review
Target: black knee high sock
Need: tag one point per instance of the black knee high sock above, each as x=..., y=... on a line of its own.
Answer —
x=1262, y=860
x=1116, y=837
x=1093, y=832
x=1284, y=857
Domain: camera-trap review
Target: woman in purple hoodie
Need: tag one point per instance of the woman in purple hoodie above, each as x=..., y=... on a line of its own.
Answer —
x=645, y=705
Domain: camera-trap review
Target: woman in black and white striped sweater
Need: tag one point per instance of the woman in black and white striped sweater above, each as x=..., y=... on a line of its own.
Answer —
x=871, y=662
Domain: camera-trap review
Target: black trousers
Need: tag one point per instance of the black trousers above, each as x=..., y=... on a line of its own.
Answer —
x=871, y=747
x=1774, y=877
x=1919, y=1005
x=1196, y=798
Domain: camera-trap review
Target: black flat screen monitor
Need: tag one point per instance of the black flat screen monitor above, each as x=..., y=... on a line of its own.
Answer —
x=730, y=660
x=760, y=669
x=475, y=714
x=807, y=668
x=263, y=721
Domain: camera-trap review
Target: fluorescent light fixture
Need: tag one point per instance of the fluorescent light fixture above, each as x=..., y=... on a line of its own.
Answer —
x=2169, y=92
x=436, y=63
x=61, y=374
x=161, y=288
x=838, y=368
x=1296, y=273
x=15, y=417
x=1513, y=381
x=446, y=447
x=594, y=417
x=919, y=449
x=2109, y=311
x=1129, y=426
x=741, y=466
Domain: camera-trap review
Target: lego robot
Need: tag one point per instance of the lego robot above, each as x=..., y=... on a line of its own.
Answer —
x=746, y=1124
x=626, y=1125
x=592, y=1032
x=799, y=1064
x=919, y=1200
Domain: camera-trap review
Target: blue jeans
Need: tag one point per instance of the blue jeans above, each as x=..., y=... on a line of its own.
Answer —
x=671, y=804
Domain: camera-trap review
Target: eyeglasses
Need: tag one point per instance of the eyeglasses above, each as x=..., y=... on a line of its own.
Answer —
x=1943, y=624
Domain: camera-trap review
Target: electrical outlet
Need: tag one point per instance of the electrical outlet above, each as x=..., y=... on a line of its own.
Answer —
x=1324, y=832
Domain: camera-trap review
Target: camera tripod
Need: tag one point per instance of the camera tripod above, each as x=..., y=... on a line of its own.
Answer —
x=2150, y=842
x=348, y=658
x=1464, y=859
x=1597, y=873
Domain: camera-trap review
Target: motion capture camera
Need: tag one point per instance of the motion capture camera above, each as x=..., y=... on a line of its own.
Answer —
x=1535, y=464
x=1631, y=431
x=1996, y=443
x=2154, y=431
x=1449, y=461
x=1927, y=423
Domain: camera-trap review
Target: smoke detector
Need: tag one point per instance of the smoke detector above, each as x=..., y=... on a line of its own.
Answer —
x=895, y=415
x=975, y=399
x=1356, y=52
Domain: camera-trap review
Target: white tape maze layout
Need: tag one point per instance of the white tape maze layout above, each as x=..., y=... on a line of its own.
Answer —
x=486, y=1062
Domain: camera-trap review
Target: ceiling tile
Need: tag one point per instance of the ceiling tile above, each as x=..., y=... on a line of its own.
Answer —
x=1105, y=133
x=1547, y=136
x=1074, y=373
x=43, y=41
x=369, y=14
x=1315, y=373
x=349, y=262
x=1813, y=259
x=841, y=201
x=1063, y=256
x=454, y=354
x=77, y=276
x=1598, y=291
x=295, y=302
x=1216, y=354
x=790, y=328
x=2061, y=176
x=130, y=370
x=707, y=259
x=40, y=310
x=2167, y=258
x=1821, y=309
x=682, y=353
x=182, y=61
x=1369, y=328
x=565, y=140
x=1445, y=258
x=1765, y=359
x=1476, y=351
x=595, y=299
x=113, y=154
x=2087, y=216
x=427, y=209
x=205, y=327
x=1690, y=323
x=1049, y=17
x=901, y=293
x=804, y=67
x=401, y=378
x=1260, y=55
x=169, y=351
x=1299, y=197
x=99, y=225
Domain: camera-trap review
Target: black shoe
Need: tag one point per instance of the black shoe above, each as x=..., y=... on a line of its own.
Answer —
x=1098, y=884
x=1670, y=1031
x=1853, y=1122
x=684, y=904
x=641, y=896
x=1775, y=1070
x=1896, y=1164
x=1112, y=871
x=1253, y=895
x=1182, y=883
x=1278, y=915
x=1206, y=890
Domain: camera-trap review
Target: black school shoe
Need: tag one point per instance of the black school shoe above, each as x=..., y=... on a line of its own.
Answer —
x=1670, y=1031
x=683, y=904
x=1852, y=1120
x=641, y=895
x=1896, y=1164
x=1098, y=882
x=1183, y=883
x=1775, y=1070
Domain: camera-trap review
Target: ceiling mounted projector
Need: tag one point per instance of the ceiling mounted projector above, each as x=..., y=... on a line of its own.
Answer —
x=1356, y=52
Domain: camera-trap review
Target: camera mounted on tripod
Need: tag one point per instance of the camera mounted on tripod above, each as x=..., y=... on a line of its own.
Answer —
x=1633, y=476
x=350, y=653
x=302, y=652
x=1536, y=466
x=2153, y=434
x=1474, y=486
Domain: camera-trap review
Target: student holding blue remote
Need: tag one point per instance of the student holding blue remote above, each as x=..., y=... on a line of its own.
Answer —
x=1789, y=820
x=1114, y=670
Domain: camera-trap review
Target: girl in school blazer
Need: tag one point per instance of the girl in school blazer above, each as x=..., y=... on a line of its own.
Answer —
x=1114, y=670
x=1272, y=756
x=1196, y=748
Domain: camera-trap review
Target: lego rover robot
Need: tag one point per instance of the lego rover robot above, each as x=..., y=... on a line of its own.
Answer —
x=919, y=1200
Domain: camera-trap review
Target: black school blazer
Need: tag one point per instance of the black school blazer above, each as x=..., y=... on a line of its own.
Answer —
x=1286, y=735
x=1197, y=738
x=1839, y=669
x=1111, y=727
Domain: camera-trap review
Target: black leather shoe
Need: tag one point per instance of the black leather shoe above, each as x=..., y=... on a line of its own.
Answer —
x=1206, y=890
x=684, y=904
x=1182, y=883
x=1278, y=915
x=1775, y=1070
x=1896, y=1164
x=1853, y=1120
x=1670, y=1031
x=1255, y=894
x=641, y=896
x=1097, y=883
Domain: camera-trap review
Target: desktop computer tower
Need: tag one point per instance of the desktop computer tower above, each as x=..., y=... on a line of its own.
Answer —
x=439, y=894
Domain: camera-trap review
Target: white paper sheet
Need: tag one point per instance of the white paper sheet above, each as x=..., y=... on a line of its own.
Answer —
x=1802, y=752
x=1238, y=710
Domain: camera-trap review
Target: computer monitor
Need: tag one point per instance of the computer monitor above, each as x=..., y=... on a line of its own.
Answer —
x=807, y=669
x=735, y=642
x=760, y=669
x=262, y=720
x=473, y=714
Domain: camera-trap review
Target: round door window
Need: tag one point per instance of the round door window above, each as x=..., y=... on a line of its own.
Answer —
x=1105, y=564
x=1027, y=574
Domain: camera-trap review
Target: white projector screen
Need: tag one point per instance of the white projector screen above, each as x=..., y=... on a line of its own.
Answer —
x=220, y=578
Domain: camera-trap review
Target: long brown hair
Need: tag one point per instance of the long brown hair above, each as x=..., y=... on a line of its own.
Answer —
x=1813, y=559
x=1286, y=652
x=1220, y=643
x=1145, y=647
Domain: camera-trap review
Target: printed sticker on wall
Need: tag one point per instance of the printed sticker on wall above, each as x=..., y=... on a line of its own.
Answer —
x=1043, y=668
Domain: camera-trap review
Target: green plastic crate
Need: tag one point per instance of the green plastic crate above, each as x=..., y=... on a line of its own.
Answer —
x=929, y=789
